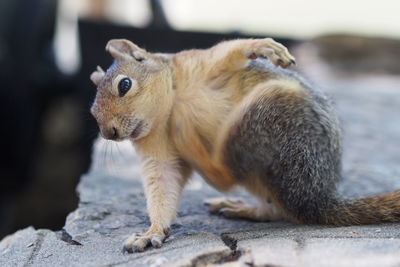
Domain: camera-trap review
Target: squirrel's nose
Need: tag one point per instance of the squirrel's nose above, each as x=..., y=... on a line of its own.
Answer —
x=110, y=133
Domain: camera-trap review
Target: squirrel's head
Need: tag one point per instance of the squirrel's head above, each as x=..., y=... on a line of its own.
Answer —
x=134, y=95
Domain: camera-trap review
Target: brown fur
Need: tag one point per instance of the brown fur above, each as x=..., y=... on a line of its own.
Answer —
x=237, y=120
x=376, y=209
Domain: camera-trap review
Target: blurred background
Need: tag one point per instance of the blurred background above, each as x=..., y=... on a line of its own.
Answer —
x=48, y=49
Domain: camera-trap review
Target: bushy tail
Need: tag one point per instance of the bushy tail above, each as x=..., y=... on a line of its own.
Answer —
x=370, y=210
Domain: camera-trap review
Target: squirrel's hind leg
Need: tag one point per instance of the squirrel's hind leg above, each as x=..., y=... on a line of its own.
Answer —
x=238, y=209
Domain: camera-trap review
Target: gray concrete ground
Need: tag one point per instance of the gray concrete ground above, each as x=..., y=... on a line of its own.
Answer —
x=112, y=204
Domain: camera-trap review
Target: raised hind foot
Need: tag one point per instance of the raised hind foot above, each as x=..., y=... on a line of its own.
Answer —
x=237, y=209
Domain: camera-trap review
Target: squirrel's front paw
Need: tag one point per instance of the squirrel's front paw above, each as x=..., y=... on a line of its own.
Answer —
x=138, y=242
x=274, y=51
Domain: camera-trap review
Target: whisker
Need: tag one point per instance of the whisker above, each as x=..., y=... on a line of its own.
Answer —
x=103, y=158
x=108, y=167
x=123, y=155
x=112, y=160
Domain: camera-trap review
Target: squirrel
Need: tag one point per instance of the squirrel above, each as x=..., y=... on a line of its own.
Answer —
x=238, y=115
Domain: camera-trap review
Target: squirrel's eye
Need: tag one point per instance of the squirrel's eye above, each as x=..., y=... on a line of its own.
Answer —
x=124, y=85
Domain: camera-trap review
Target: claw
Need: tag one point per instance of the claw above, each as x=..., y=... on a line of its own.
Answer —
x=252, y=56
x=156, y=243
x=139, y=242
x=293, y=61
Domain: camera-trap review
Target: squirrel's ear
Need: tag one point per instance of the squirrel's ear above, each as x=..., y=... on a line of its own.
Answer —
x=97, y=75
x=125, y=49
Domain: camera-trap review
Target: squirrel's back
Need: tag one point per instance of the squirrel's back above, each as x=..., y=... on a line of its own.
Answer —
x=289, y=140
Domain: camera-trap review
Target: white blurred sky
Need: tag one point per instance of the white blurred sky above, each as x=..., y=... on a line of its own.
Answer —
x=289, y=18
x=282, y=18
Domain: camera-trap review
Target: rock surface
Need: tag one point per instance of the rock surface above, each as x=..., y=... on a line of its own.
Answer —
x=112, y=204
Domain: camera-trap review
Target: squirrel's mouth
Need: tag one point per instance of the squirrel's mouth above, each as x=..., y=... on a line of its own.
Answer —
x=137, y=130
